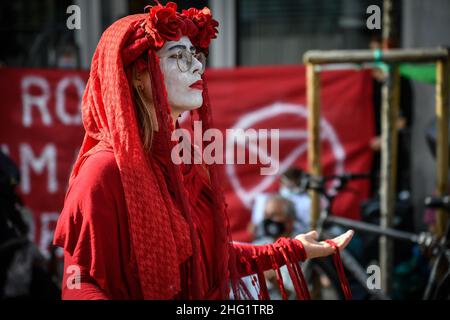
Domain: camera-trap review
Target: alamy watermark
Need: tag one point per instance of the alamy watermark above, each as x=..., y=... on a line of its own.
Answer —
x=74, y=277
x=374, y=20
x=373, y=281
x=73, y=22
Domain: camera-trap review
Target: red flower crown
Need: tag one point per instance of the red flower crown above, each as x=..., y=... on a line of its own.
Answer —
x=164, y=23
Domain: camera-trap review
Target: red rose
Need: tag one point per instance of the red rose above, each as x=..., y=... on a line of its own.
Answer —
x=190, y=13
x=203, y=17
x=166, y=21
x=163, y=23
x=207, y=26
x=190, y=29
x=153, y=37
x=208, y=33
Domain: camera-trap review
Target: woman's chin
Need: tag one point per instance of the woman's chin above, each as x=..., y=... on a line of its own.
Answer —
x=192, y=107
x=192, y=104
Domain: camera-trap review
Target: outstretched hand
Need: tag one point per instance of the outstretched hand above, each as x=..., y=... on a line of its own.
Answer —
x=315, y=249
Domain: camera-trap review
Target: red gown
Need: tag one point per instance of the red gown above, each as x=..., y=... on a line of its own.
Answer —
x=93, y=230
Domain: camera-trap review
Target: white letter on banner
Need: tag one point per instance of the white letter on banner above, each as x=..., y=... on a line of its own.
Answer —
x=61, y=100
x=47, y=159
x=28, y=100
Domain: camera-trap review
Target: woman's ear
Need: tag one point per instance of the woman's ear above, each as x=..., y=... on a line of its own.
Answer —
x=142, y=83
x=137, y=80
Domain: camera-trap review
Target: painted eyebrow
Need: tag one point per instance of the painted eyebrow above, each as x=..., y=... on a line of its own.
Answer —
x=180, y=46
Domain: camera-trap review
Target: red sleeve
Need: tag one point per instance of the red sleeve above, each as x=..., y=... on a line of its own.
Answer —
x=251, y=258
x=89, y=230
x=79, y=286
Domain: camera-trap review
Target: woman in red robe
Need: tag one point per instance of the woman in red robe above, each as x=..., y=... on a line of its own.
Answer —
x=135, y=225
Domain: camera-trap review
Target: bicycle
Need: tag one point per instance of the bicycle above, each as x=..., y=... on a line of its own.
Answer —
x=438, y=283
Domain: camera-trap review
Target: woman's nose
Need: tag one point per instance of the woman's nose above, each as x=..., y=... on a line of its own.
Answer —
x=196, y=65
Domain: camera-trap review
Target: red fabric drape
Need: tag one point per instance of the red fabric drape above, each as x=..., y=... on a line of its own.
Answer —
x=161, y=238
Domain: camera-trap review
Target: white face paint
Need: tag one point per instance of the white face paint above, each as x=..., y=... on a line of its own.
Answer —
x=181, y=96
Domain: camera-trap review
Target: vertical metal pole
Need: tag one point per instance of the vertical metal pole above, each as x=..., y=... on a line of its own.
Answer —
x=389, y=140
x=91, y=29
x=389, y=114
x=442, y=99
x=313, y=102
x=223, y=50
x=390, y=25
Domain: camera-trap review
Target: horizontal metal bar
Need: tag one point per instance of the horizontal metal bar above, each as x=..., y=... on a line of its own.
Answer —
x=360, y=56
x=371, y=228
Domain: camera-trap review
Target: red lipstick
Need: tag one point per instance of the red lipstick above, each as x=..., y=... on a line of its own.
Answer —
x=197, y=85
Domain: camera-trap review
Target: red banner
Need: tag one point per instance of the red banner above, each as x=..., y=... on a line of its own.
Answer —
x=41, y=130
x=275, y=97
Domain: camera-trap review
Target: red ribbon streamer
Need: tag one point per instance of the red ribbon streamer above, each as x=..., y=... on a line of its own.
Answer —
x=340, y=270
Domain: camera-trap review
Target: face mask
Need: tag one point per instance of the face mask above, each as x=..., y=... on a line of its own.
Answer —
x=180, y=93
x=286, y=192
x=273, y=229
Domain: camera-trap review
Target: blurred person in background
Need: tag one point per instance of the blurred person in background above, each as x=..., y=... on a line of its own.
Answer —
x=404, y=124
x=290, y=188
x=67, y=57
x=278, y=221
x=24, y=271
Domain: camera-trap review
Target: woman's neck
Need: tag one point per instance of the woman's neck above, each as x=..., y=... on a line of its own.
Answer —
x=175, y=114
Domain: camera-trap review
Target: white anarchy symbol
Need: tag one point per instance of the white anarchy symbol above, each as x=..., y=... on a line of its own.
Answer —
x=276, y=109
